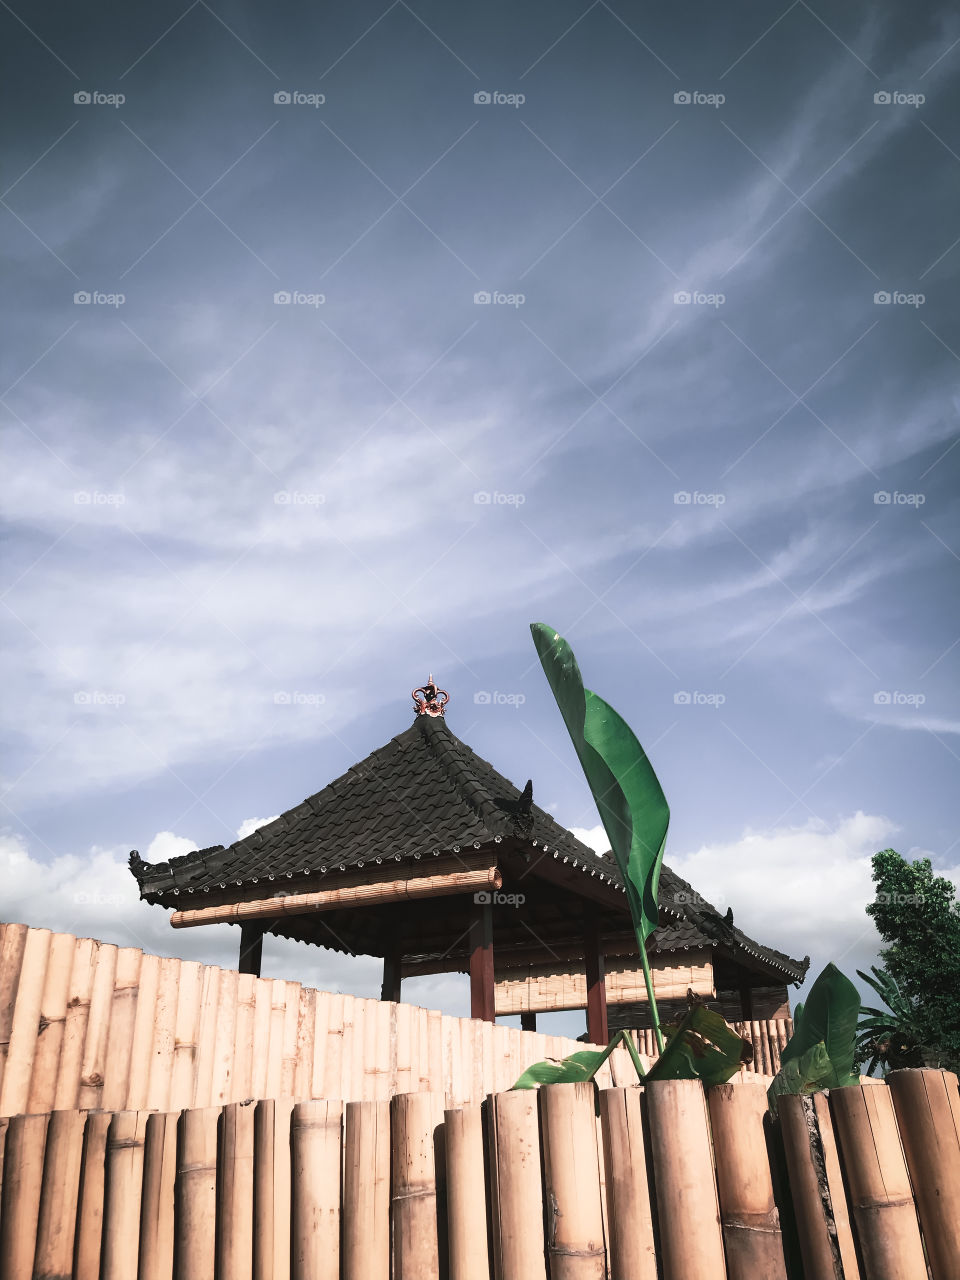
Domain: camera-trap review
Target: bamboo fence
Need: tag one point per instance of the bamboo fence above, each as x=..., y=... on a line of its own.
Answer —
x=670, y=1183
x=767, y=1035
x=91, y=1026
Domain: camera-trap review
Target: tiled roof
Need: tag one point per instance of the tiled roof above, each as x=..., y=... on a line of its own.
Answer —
x=423, y=794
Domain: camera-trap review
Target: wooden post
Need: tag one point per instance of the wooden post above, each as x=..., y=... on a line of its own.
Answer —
x=596, y=987
x=251, y=947
x=123, y=1185
x=417, y=1165
x=366, y=1191
x=517, y=1187
x=528, y=1022
x=751, y=1223
x=58, y=1199
x=25, y=1022
x=20, y=1207
x=196, y=1195
x=746, y=1003
x=928, y=1113
x=157, y=1201
x=315, y=1144
x=633, y=1253
x=392, y=963
x=466, y=1195
x=89, y=1237
x=571, y=1168
x=481, y=960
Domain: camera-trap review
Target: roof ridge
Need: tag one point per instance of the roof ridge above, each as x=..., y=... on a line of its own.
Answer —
x=445, y=745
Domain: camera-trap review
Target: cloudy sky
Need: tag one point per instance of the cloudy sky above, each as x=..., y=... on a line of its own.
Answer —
x=341, y=343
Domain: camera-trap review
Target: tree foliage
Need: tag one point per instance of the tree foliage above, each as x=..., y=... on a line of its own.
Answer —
x=917, y=915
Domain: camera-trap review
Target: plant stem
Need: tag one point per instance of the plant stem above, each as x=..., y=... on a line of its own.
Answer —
x=648, y=979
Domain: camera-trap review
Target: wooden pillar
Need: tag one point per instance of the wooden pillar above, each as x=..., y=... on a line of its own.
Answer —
x=528, y=1022
x=392, y=962
x=746, y=1003
x=596, y=987
x=251, y=947
x=481, y=960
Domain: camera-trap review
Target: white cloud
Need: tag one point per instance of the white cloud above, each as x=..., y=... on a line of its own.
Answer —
x=249, y=825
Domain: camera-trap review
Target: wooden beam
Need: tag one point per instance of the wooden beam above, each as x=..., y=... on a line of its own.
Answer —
x=552, y=987
x=251, y=948
x=482, y=1003
x=596, y=987
x=293, y=904
x=392, y=962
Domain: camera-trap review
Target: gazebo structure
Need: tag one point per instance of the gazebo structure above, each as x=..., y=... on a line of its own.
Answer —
x=423, y=854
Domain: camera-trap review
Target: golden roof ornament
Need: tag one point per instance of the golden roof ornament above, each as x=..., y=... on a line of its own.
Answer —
x=428, y=700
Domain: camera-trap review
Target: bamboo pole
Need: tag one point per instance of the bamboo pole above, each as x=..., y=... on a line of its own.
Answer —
x=321, y=1019
x=260, y=1070
x=632, y=1246
x=350, y=1055
x=196, y=1195
x=333, y=1048
x=928, y=1115
x=123, y=1186
x=20, y=1206
x=22, y=1047
x=575, y=1247
x=366, y=1191
x=164, y=1034
x=206, y=1035
x=222, y=1079
x=684, y=1174
x=517, y=1188
x=12, y=946
x=183, y=1078
x=235, y=1193
x=402, y=1021
x=53, y=1013
x=274, y=1042
x=315, y=1142
x=306, y=1030
x=271, y=1190
x=288, y=1042
x=466, y=1194
x=87, y=1246
x=57, y=1221
x=70, y=1065
x=838, y=1192
x=4, y=1126
x=123, y=1017
x=435, y=1051
x=878, y=1184
x=748, y=1213
x=157, y=1201
x=98, y=1028
x=242, y=1084
x=416, y=1134
x=810, y=1192
x=138, y=1079
x=334, y=899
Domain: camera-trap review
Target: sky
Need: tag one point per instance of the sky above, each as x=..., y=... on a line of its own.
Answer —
x=343, y=342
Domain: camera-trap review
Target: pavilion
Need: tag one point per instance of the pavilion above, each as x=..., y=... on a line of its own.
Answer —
x=424, y=855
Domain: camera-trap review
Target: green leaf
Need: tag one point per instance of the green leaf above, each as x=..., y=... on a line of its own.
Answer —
x=628, y=795
x=829, y=1014
x=582, y=1065
x=807, y=1073
x=703, y=1047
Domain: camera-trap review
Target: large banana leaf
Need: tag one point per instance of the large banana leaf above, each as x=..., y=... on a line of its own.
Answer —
x=703, y=1047
x=628, y=795
x=821, y=1053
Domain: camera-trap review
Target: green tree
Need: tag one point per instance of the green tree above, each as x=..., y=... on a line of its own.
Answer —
x=917, y=914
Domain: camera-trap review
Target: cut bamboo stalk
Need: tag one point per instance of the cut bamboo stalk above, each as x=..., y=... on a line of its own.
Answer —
x=206, y=1035
x=4, y=1125
x=306, y=1030
x=575, y=1248
x=838, y=1191
x=315, y=1218
x=321, y=1021
x=423, y=1048
x=183, y=1077
x=632, y=1247
x=367, y=1050
x=122, y=1190
x=878, y=1184
x=416, y=1136
x=385, y=1013
x=164, y=1034
x=20, y=1206
x=70, y=1065
x=53, y=1013
x=274, y=1042
x=15, y=1089
x=350, y=1060
x=141, y=1048
x=288, y=1040
x=684, y=1175
x=748, y=1213
x=123, y=1017
x=221, y=1083
x=235, y=1193
x=196, y=1195
x=366, y=1191
x=334, y=899
x=333, y=1048
x=11, y=963
x=271, y=1190
x=404, y=1080
x=158, y=1198
x=814, y=1204
x=928, y=1115
x=516, y=1187
x=466, y=1194
x=89, y=1239
x=98, y=1028
x=259, y=1076
x=57, y=1221
x=435, y=1051
x=242, y=1087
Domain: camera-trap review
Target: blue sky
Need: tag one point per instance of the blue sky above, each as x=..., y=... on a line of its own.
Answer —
x=705, y=426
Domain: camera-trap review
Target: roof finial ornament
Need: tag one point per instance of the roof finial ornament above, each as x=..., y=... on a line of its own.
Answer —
x=431, y=700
